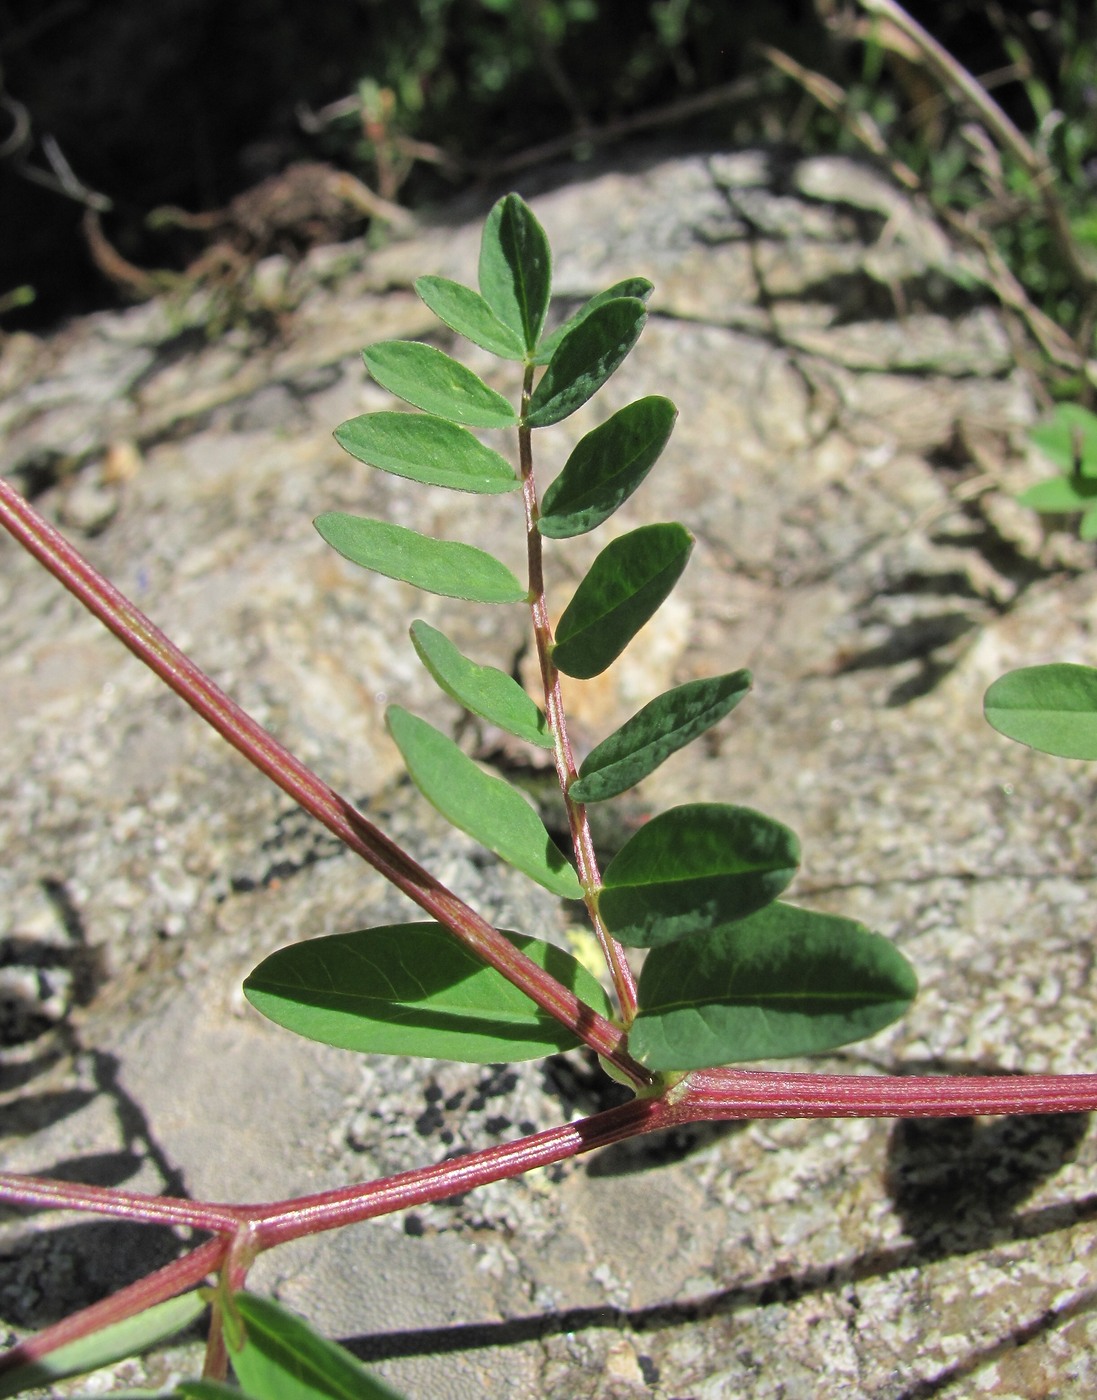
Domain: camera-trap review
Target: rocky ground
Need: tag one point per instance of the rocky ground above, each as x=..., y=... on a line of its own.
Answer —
x=851, y=435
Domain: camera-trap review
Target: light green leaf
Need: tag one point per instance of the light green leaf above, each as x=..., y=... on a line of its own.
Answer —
x=282, y=1358
x=1087, y=530
x=606, y=467
x=516, y=268
x=467, y=313
x=110, y=1344
x=624, y=587
x=638, y=287
x=783, y=982
x=413, y=989
x=424, y=448
x=1050, y=708
x=447, y=567
x=693, y=869
x=1061, y=495
x=429, y=379
x=663, y=726
x=484, y=690
x=1069, y=438
x=585, y=359
x=484, y=807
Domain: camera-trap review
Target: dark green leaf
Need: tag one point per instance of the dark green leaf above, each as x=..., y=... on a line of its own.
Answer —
x=638, y=287
x=695, y=868
x=426, y=377
x=1050, y=708
x=424, y=448
x=484, y=807
x=625, y=585
x=484, y=690
x=110, y=1344
x=606, y=467
x=467, y=313
x=516, y=268
x=783, y=982
x=208, y=1390
x=663, y=726
x=585, y=359
x=1069, y=438
x=282, y=1358
x=440, y=566
x=413, y=989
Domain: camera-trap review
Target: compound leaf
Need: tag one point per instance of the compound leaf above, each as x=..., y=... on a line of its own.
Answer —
x=413, y=989
x=693, y=869
x=479, y=804
x=425, y=448
x=606, y=467
x=484, y=690
x=783, y=982
x=280, y=1357
x=516, y=268
x=1069, y=438
x=585, y=359
x=112, y=1343
x=467, y=313
x=625, y=585
x=1050, y=708
x=663, y=726
x=430, y=379
x=447, y=567
x=638, y=287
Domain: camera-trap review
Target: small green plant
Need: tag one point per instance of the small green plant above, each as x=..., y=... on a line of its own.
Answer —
x=732, y=972
x=1069, y=439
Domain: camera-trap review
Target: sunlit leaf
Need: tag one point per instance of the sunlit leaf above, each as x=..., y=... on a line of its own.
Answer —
x=638, y=287
x=606, y=467
x=413, y=989
x=1061, y=495
x=624, y=587
x=1050, y=708
x=467, y=313
x=440, y=566
x=783, y=982
x=484, y=690
x=1069, y=438
x=430, y=379
x=109, y=1344
x=282, y=1358
x=479, y=804
x=585, y=359
x=663, y=726
x=693, y=869
x=516, y=268
x=424, y=448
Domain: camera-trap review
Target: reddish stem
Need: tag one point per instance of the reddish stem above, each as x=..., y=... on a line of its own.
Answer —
x=261, y=749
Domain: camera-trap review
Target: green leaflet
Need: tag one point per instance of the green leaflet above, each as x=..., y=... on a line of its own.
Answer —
x=424, y=448
x=606, y=467
x=585, y=359
x=447, y=567
x=110, y=1344
x=516, y=268
x=413, y=989
x=783, y=982
x=693, y=869
x=663, y=726
x=479, y=804
x=1069, y=438
x=1050, y=708
x=280, y=1357
x=467, y=313
x=625, y=585
x=638, y=287
x=429, y=379
x=484, y=690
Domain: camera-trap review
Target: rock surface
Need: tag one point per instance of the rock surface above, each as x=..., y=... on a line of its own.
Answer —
x=851, y=432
